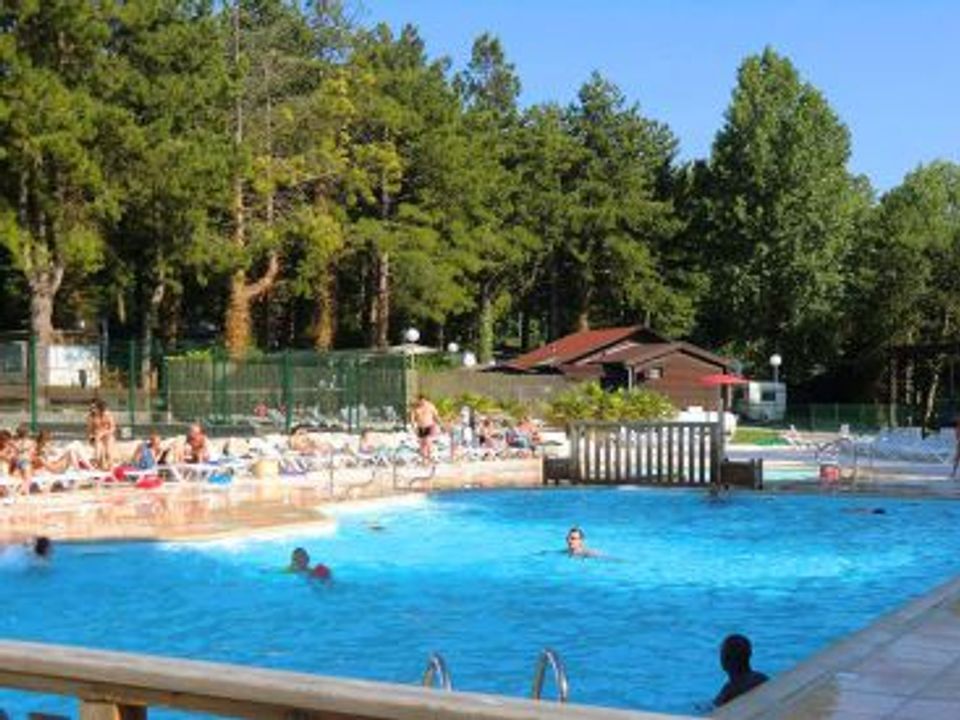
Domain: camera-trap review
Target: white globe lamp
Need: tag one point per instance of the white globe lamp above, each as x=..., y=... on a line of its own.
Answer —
x=411, y=335
x=775, y=362
x=453, y=348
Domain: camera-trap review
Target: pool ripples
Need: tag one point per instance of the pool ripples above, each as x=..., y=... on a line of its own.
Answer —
x=481, y=578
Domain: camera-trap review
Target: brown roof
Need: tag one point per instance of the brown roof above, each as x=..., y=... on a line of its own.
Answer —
x=569, y=349
x=635, y=354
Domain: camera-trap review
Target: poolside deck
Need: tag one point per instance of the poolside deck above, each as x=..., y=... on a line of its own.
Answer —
x=247, y=505
x=904, y=666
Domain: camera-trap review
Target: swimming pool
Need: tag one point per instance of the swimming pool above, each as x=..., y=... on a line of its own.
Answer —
x=480, y=577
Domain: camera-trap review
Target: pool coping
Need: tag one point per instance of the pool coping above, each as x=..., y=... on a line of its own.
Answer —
x=788, y=691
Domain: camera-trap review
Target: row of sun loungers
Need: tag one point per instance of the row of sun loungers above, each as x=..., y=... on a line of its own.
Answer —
x=243, y=458
x=909, y=444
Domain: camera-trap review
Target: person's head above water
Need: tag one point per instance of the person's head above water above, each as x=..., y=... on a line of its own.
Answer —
x=735, y=652
x=575, y=538
x=300, y=560
x=42, y=547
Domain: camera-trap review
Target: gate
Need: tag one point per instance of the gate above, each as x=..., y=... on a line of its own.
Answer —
x=668, y=453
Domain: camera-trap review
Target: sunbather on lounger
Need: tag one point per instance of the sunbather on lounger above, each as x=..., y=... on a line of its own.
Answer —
x=197, y=449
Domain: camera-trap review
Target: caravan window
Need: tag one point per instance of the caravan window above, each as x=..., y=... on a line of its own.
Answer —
x=768, y=396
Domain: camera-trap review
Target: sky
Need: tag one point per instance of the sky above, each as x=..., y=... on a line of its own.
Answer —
x=890, y=70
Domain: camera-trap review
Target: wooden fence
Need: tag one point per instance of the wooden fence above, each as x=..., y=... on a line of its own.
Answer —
x=674, y=453
x=122, y=686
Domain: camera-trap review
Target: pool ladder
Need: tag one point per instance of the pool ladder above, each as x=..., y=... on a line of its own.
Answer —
x=437, y=671
x=551, y=658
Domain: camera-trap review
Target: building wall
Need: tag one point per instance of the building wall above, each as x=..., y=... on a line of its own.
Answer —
x=680, y=380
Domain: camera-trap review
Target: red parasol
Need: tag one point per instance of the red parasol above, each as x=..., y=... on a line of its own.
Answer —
x=718, y=379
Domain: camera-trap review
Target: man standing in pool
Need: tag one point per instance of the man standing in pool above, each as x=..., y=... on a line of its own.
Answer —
x=735, y=655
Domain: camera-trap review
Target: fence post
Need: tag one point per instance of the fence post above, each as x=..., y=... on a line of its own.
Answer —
x=132, y=385
x=287, y=391
x=213, y=385
x=32, y=381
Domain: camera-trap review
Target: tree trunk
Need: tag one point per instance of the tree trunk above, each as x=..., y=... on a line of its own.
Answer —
x=44, y=285
x=485, y=327
x=932, y=390
x=41, y=312
x=242, y=295
x=146, y=332
x=382, y=301
x=553, y=332
x=326, y=311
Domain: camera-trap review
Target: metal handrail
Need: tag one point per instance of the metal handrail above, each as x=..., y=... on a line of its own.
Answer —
x=437, y=668
x=559, y=675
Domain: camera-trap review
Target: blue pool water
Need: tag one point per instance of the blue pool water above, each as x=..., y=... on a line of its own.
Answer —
x=481, y=578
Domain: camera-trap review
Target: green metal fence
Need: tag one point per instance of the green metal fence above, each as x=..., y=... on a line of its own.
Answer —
x=866, y=417
x=53, y=387
x=338, y=390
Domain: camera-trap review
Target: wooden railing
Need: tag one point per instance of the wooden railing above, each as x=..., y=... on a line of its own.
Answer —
x=676, y=453
x=122, y=686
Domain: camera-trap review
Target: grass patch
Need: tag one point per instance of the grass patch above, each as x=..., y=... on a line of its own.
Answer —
x=758, y=436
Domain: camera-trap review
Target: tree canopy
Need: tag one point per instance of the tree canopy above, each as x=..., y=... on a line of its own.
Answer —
x=270, y=169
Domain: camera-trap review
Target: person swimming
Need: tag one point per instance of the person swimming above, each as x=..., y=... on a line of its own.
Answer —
x=576, y=544
x=42, y=548
x=37, y=553
x=300, y=563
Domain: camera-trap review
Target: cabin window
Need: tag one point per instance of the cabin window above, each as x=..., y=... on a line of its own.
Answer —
x=655, y=373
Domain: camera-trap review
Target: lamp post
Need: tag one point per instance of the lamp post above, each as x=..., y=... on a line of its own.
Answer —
x=775, y=362
x=411, y=335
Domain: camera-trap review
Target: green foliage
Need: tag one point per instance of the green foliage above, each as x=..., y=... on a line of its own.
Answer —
x=396, y=191
x=780, y=212
x=449, y=406
x=588, y=401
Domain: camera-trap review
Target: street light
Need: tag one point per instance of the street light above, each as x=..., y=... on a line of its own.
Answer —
x=453, y=348
x=775, y=362
x=411, y=335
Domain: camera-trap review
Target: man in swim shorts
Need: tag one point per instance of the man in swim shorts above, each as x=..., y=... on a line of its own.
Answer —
x=426, y=422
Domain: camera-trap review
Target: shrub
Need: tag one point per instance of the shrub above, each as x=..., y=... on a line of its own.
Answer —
x=588, y=401
x=449, y=406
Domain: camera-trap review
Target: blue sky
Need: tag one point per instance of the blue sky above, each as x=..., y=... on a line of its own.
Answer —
x=889, y=69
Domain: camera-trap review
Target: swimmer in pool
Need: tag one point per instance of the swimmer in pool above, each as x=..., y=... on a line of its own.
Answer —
x=576, y=546
x=37, y=553
x=42, y=548
x=300, y=563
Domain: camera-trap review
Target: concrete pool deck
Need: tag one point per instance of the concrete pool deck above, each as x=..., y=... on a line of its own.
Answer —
x=188, y=510
x=904, y=666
